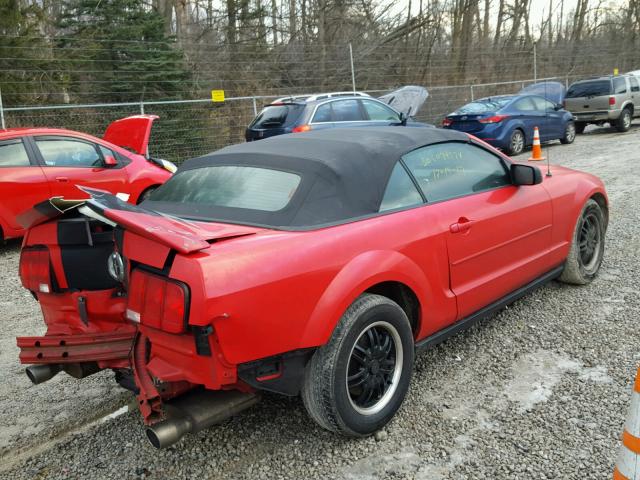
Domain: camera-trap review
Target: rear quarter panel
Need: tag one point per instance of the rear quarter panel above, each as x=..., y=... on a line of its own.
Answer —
x=280, y=291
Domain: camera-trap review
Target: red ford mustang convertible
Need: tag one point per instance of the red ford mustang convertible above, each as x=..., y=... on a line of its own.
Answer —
x=314, y=264
x=39, y=163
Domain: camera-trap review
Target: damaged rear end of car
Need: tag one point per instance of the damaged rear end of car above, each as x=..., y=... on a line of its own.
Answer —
x=117, y=285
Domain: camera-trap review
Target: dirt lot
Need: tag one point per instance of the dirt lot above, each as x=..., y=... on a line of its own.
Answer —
x=538, y=391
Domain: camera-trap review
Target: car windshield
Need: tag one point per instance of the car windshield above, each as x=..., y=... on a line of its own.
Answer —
x=274, y=116
x=593, y=88
x=483, y=105
x=231, y=186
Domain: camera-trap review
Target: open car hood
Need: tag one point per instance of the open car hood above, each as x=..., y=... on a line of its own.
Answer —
x=407, y=100
x=176, y=233
x=132, y=133
x=552, y=91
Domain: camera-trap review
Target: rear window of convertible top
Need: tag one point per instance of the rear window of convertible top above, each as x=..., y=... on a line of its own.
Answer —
x=245, y=187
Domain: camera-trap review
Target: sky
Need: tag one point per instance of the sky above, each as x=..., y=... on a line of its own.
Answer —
x=539, y=8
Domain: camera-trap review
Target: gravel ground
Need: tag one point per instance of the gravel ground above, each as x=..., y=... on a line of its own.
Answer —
x=538, y=391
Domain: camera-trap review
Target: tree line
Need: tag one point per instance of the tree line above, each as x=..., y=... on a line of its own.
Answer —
x=79, y=51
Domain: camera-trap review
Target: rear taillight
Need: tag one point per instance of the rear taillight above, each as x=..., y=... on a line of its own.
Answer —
x=612, y=101
x=157, y=301
x=301, y=128
x=447, y=122
x=35, y=269
x=493, y=119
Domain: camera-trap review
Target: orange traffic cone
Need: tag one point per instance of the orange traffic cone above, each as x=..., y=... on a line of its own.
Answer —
x=536, y=150
x=628, y=464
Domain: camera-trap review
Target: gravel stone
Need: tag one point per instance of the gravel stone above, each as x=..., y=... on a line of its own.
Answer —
x=541, y=390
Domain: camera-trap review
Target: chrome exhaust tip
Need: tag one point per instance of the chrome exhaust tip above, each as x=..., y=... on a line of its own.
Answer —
x=41, y=373
x=166, y=433
x=195, y=411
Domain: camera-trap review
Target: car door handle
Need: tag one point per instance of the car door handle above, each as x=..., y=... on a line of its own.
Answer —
x=462, y=225
x=62, y=179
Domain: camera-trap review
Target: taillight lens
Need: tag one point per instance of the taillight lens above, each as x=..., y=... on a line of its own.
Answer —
x=612, y=101
x=301, y=128
x=35, y=269
x=493, y=119
x=157, y=301
x=447, y=122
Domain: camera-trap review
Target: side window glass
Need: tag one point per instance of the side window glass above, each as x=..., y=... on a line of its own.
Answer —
x=323, y=114
x=65, y=152
x=449, y=170
x=619, y=85
x=400, y=191
x=13, y=154
x=378, y=111
x=635, y=86
x=346, y=111
x=525, y=104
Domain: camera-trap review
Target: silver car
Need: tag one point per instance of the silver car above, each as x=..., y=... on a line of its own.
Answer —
x=613, y=99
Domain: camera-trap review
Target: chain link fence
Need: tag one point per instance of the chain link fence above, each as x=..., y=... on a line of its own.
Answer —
x=189, y=128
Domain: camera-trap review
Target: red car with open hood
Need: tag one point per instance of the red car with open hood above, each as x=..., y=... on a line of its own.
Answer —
x=312, y=264
x=40, y=163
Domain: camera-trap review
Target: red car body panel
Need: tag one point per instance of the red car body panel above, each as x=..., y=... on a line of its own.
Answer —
x=24, y=186
x=260, y=292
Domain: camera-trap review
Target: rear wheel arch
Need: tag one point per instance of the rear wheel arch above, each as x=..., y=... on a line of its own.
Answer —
x=371, y=272
x=404, y=296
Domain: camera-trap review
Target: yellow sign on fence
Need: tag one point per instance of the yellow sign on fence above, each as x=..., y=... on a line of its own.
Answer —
x=217, y=95
x=615, y=71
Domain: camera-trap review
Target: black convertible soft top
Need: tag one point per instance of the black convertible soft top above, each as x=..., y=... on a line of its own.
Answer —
x=344, y=173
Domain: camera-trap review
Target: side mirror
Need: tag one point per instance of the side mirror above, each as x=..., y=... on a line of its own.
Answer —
x=403, y=118
x=110, y=161
x=558, y=106
x=525, y=174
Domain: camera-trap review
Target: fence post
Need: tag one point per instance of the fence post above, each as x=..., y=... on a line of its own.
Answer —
x=141, y=107
x=535, y=63
x=353, y=73
x=255, y=107
x=1, y=113
x=471, y=92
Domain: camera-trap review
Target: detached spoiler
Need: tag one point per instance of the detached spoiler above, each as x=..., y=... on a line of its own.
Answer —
x=180, y=235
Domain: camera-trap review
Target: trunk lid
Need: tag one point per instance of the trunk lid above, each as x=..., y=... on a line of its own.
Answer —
x=131, y=133
x=467, y=123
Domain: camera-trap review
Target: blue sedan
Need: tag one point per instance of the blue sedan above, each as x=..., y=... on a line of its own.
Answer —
x=507, y=121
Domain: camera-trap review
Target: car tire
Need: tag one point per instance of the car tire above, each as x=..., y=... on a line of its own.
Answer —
x=357, y=381
x=587, y=246
x=623, y=123
x=569, y=134
x=145, y=194
x=517, y=142
x=580, y=126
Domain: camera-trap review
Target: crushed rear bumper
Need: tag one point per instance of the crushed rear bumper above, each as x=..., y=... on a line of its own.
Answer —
x=109, y=349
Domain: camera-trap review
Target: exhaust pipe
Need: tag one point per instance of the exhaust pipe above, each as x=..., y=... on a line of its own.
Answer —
x=81, y=370
x=41, y=373
x=195, y=411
